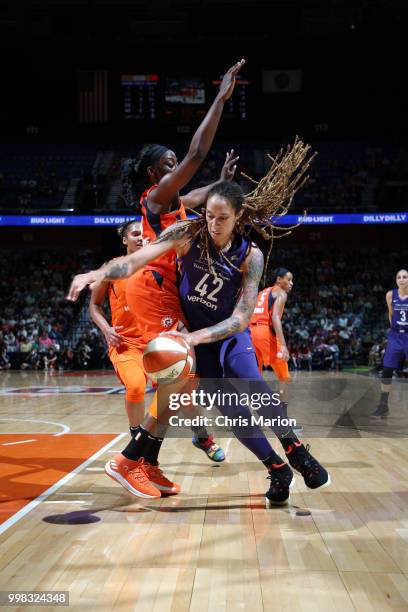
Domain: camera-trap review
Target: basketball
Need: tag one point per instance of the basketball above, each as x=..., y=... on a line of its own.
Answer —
x=167, y=357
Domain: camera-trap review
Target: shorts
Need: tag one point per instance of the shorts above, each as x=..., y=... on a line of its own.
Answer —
x=233, y=357
x=129, y=369
x=397, y=350
x=154, y=300
x=267, y=346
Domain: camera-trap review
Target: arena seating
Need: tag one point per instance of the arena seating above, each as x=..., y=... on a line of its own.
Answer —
x=345, y=176
x=334, y=316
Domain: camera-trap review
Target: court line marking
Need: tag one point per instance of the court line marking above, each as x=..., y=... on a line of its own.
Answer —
x=35, y=502
x=227, y=448
x=73, y=494
x=65, y=428
x=67, y=501
x=14, y=443
x=47, y=391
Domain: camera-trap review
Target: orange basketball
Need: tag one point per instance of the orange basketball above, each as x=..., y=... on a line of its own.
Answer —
x=167, y=357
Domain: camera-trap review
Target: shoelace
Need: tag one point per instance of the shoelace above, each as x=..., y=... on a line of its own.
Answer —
x=139, y=471
x=308, y=461
x=154, y=470
x=277, y=482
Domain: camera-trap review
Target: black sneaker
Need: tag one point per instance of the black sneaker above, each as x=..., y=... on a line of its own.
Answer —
x=282, y=479
x=302, y=461
x=381, y=412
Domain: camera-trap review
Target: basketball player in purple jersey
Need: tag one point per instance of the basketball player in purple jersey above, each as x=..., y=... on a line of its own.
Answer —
x=220, y=274
x=397, y=345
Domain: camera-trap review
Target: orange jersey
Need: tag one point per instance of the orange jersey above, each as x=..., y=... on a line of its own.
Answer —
x=262, y=314
x=152, y=226
x=266, y=344
x=124, y=317
x=155, y=302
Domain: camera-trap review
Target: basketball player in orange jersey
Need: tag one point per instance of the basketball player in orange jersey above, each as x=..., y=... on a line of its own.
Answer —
x=122, y=335
x=153, y=294
x=267, y=332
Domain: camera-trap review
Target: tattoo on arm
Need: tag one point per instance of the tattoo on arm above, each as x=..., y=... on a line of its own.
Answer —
x=116, y=270
x=226, y=328
x=246, y=303
x=125, y=266
x=175, y=232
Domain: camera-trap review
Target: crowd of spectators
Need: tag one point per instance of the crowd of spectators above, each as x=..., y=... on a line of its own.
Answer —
x=345, y=176
x=35, y=318
x=340, y=178
x=34, y=177
x=336, y=313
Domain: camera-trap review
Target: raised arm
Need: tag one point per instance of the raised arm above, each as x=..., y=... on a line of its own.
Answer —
x=170, y=185
x=239, y=320
x=198, y=196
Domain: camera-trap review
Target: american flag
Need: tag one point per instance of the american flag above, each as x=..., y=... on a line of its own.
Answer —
x=93, y=96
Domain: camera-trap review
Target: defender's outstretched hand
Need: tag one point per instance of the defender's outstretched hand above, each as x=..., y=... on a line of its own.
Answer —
x=229, y=168
x=228, y=81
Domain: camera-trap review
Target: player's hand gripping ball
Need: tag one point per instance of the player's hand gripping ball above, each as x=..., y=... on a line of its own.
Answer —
x=167, y=357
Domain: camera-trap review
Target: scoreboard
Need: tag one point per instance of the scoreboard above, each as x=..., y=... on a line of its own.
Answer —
x=140, y=96
x=178, y=99
x=184, y=99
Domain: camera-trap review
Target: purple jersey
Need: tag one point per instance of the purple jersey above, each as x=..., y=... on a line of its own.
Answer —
x=399, y=319
x=397, y=345
x=207, y=299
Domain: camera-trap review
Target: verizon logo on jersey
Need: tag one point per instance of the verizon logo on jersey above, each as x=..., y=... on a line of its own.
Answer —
x=196, y=298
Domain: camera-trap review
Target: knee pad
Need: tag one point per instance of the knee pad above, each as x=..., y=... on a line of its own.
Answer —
x=386, y=374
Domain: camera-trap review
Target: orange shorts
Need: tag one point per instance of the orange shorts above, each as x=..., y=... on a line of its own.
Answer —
x=154, y=300
x=266, y=347
x=129, y=369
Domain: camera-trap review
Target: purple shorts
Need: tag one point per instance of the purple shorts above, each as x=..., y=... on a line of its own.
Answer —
x=396, y=351
x=219, y=359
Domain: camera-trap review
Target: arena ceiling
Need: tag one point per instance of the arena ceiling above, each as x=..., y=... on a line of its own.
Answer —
x=198, y=20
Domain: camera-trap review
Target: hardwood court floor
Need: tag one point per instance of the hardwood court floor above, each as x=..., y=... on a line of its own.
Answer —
x=214, y=546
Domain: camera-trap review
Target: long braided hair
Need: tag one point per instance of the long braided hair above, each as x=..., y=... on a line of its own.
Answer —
x=263, y=206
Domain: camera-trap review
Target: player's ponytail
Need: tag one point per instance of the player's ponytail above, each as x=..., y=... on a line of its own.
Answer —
x=134, y=172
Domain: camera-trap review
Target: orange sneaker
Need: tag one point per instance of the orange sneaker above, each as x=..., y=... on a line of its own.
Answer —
x=156, y=476
x=132, y=475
